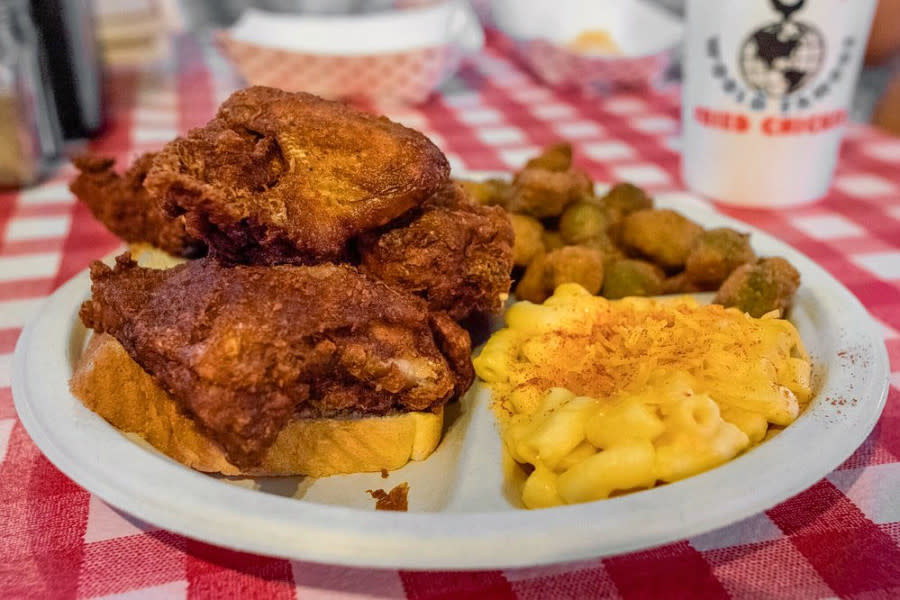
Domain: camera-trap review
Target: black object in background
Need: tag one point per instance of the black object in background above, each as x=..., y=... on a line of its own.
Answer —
x=30, y=139
x=67, y=36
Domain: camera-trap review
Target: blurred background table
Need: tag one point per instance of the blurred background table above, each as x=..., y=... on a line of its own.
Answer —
x=839, y=538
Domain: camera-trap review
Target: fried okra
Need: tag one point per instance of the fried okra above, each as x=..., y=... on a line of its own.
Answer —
x=528, y=238
x=680, y=284
x=572, y=264
x=582, y=221
x=619, y=244
x=552, y=241
x=531, y=285
x=761, y=287
x=556, y=157
x=715, y=254
x=626, y=198
x=605, y=244
x=630, y=277
x=576, y=264
x=490, y=192
x=544, y=193
x=663, y=236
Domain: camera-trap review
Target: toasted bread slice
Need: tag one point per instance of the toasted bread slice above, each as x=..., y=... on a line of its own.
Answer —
x=152, y=257
x=111, y=384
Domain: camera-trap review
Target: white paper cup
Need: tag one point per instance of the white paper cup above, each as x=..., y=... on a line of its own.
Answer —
x=768, y=84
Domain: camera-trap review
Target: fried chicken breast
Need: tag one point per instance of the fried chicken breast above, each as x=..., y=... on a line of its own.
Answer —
x=456, y=254
x=122, y=204
x=245, y=349
x=280, y=177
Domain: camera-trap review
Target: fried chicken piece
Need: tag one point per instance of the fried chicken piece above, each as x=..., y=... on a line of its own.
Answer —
x=122, y=204
x=280, y=177
x=456, y=254
x=245, y=349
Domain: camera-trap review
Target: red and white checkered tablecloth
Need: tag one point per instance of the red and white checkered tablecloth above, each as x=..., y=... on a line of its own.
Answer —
x=839, y=538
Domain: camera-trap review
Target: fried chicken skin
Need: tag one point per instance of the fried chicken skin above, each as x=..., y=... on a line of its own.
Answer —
x=122, y=204
x=456, y=254
x=244, y=349
x=280, y=177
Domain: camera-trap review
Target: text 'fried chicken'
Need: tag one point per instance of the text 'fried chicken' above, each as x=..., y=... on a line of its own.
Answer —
x=456, y=254
x=245, y=349
x=122, y=204
x=280, y=177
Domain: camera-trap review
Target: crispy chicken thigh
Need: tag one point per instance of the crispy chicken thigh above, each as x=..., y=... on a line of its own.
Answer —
x=244, y=349
x=122, y=204
x=456, y=254
x=279, y=177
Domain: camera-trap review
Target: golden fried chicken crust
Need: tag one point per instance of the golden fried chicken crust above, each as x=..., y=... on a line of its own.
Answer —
x=280, y=177
x=244, y=349
x=122, y=204
x=456, y=254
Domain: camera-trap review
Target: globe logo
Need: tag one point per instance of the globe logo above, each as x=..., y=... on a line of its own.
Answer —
x=781, y=58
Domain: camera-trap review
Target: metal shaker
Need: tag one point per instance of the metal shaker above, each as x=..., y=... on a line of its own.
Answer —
x=29, y=130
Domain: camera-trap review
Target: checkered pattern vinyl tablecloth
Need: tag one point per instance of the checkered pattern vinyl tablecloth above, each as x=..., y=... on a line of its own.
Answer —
x=839, y=538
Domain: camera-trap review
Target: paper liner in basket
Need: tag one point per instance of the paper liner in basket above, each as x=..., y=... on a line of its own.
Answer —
x=408, y=76
x=564, y=68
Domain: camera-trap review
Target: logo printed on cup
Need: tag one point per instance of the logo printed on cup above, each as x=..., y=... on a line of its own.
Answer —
x=767, y=88
x=783, y=57
x=778, y=62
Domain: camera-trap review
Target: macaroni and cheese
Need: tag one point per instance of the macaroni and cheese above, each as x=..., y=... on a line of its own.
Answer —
x=603, y=397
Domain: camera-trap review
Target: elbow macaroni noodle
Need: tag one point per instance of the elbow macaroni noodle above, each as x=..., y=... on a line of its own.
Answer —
x=603, y=397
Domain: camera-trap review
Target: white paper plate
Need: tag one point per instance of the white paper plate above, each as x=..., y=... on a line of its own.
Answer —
x=460, y=516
